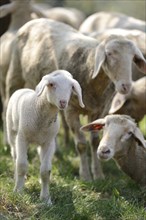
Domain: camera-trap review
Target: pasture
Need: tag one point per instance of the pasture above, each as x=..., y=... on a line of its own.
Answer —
x=117, y=197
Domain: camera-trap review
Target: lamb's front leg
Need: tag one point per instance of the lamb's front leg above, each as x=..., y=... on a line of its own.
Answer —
x=21, y=162
x=46, y=156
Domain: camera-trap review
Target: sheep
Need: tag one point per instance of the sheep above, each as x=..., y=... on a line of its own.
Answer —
x=123, y=141
x=44, y=45
x=137, y=36
x=31, y=117
x=101, y=21
x=71, y=16
x=133, y=103
x=20, y=14
x=4, y=22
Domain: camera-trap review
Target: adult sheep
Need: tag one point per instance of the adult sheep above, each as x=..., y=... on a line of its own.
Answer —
x=123, y=141
x=71, y=16
x=44, y=44
x=101, y=21
x=137, y=36
x=133, y=103
x=32, y=118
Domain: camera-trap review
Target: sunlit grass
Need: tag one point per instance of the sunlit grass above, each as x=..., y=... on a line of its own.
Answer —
x=117, y=197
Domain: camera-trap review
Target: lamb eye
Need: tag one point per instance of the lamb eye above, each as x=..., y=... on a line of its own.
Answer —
x=51, y=84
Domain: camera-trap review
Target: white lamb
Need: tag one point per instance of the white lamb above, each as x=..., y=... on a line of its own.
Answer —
x=32, y=118
x=123, y=141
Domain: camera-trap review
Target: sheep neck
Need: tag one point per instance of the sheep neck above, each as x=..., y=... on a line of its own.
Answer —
x=44, y=108
x=131, y=161
x=20, y=16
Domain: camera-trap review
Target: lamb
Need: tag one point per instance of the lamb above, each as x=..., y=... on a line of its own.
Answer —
x=133, y=103
x=20, y=14
x=101, y=21
x=44, y=45
x=123, y=141
x=32, y=118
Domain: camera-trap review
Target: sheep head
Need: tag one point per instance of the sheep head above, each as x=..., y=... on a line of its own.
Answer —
x=117, y=129
x=115, y=55
x=59, y=86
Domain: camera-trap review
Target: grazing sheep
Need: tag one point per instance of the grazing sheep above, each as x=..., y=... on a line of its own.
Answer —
x=101, y=21
x=44, y=44
x=32, y=118
x=20, y=14
x=123, y=141
x=133, y=103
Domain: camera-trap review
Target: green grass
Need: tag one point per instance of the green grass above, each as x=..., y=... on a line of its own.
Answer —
x=115, y=198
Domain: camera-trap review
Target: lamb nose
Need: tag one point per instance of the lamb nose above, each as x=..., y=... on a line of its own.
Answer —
x=62, y=103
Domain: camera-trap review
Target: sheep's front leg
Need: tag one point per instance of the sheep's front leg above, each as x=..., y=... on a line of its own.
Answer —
x=95, y=163
x=21, y=162
x=46, y=156
x=80, y=143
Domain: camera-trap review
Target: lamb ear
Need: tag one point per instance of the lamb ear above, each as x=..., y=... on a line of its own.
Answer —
x=7, y=9
x=78, y=91
x=138, y=135
x=117, y=103
x=99, y=59
x=140, y=61
x=40, y=87
x=94, y=126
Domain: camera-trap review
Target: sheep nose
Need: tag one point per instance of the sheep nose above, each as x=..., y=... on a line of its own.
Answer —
x=63, y=103
x=125, y=88
x=103, y=152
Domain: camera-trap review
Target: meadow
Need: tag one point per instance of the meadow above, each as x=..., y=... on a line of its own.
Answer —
x=116, y=197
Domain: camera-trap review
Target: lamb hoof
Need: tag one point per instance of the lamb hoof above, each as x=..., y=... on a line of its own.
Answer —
x=47, y=201
x=17, y=190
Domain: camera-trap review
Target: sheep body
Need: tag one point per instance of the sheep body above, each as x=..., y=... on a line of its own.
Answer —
x=71, y=16
x=123, y=141
x=101, y=21
x=57, y=45
x=32, y=118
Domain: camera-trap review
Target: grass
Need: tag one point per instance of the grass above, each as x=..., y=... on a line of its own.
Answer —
x=115, y=198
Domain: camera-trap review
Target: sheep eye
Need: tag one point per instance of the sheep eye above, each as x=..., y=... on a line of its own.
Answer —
x=130, y=133
x=51, y=84
x=109, y=54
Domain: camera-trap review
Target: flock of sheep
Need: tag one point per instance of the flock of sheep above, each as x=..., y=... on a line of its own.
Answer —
x=84, y=67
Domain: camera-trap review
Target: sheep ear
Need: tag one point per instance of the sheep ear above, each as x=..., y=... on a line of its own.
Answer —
x=94, y=126
x=38, y=12
x=117, y=103
x=99, y=59
x=140, y=61
x=138, y=135
x=7, y=9
x=78, y=91
x=40, y=87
